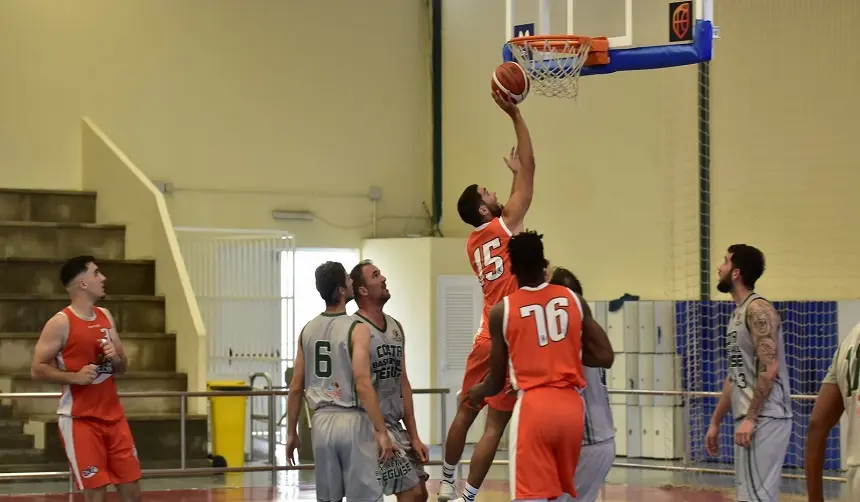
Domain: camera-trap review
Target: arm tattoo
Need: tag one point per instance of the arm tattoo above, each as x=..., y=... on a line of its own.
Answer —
x=763, y=322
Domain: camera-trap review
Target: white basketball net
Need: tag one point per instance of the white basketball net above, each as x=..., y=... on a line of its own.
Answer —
x=553, y=68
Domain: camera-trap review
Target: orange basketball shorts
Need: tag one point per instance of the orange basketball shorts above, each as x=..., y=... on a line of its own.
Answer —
x=477, y=368
x=546, y=437
x=100, y=453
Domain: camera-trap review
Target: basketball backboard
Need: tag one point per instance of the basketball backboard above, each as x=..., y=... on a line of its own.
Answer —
x=642, y=34
x=609, y=18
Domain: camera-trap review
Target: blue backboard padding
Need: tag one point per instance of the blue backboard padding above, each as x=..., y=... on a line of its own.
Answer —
x=650, y=57
x=811, y=333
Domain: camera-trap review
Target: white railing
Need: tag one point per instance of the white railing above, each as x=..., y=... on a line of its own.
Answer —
x=184, y=471
x=271, y=395
x=127, y=197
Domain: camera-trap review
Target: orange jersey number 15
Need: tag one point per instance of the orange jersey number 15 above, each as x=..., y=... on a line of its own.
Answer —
x=551, y=320
x=484, y=258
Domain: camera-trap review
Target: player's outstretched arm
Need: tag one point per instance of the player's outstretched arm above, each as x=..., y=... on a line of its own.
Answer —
x=596, y=348
x=495, y=381
x=763, y=322
x=361, y=375
x=828, y=408
x=518, y=204
x=50, y=343
x=296, y=391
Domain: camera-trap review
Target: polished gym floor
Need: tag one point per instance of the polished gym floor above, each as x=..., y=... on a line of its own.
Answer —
x=623, y=485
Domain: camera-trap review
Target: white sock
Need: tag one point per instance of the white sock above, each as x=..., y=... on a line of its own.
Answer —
x=469, y=493
x=448, y=472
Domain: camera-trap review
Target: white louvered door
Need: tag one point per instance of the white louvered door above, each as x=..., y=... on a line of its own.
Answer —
x=459, y=303
x=238, y=284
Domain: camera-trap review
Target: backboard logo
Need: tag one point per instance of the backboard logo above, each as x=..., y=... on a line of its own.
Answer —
x=524, y=30
x=681, y=21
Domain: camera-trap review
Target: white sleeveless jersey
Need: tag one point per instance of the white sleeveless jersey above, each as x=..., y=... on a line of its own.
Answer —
x=743, y=367
x=599, y=425
x=386, y=366
x=327, y=347
x=844, y=372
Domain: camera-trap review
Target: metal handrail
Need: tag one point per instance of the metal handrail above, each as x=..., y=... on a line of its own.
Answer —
x=268, y=417
x=204, y=471
x=443, y=409
x=685, y=393
x=157, y=393
x=284, y=392
x=183, y=471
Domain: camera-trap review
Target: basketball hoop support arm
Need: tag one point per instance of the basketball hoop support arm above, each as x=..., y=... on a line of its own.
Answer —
x=543, y=27
x=705, y=10
x=509, y=19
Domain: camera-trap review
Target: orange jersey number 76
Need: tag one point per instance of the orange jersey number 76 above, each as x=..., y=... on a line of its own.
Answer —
x=551, y=320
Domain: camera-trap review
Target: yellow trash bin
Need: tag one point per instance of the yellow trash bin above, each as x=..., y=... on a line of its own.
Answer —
x=228, y=415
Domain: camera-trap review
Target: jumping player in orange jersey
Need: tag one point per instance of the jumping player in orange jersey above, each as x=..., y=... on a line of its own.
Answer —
x=79, y=349
x=547, y=332
x=486, y=250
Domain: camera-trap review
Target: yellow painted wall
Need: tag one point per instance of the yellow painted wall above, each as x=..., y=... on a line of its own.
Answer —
x=617, y=174
x=785, y=108
x=244, y=106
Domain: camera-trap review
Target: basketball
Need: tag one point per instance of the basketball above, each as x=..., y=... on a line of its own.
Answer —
x=511, y=80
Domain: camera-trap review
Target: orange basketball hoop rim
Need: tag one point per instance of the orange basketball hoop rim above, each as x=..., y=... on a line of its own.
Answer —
x=598, y=47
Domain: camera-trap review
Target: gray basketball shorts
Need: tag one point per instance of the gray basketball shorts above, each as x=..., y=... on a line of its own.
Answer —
x=595, y=461
x=405, y=470
x=758, y=469
x=345, y=455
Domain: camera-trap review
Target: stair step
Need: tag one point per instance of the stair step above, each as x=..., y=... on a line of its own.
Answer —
x=156, y=437
x=11, y=425
x=47, y=205
x=132, y=313
x=13, y=441
x=28, y=239
x=21, y=456
x=145, y=352
x=5, y=409
x=59, y=466
x=130, y=382
x=41, y=276
x=44, y=466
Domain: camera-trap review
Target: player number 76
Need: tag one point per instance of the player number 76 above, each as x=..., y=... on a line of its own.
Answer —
x=550, y=319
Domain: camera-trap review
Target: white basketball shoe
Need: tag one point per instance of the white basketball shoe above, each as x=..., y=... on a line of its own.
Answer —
x=447, y=492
